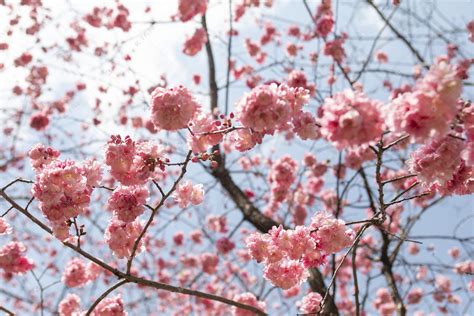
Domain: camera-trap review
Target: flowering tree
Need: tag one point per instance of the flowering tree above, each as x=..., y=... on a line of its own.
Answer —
x=235, y=157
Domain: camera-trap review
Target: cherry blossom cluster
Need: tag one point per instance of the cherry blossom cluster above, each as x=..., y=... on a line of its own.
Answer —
x=288, y=253
x=247, y=299
x=172, y=109
x=429, y=109
x=12, y=259
x=109, y=18
x=77, y=273
x=350, y=118
x=109, y=306
x=121, y=236
x=127, y=202
x=310, y=303
x=186, y=193
x=194, y=44
x=439, y=166
x=63, y=188
x=188, y=9
x=133, y=163
x=271, y=107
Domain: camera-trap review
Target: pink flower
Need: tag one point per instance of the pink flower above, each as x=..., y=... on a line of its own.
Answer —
x=286, y=273
x=41, y=156
x=224, y=245
x=194, y=44
x=178, y=238
x=245, y=139
x=454, y=252
x=356, y=156
x=436, y=162
x=12, y=260
x=39, y=121
x=281, y=176
x=443, y=283
x=332, y=234
x=190, y=8
x=202, y=137
x=63, y=191
x=297, y=79
x=247, y=299
x=262, y=110
x=310, y=304
x=186, y=193
x=470, y=29
x=131, y=162
x=429, y=109
x=217, y=223
x=381, y=57
x=466, y=267
x=172, y=109
x=70, y=305
x=335, y=49
x=75, y=273
x=5, y=228
x=127, y=202
x=350, y=118
x=413, y=249
x=325, y=25
x=415, y=296
x=110, y=306
x=209, y=262
x=383, y=302
x=121, y=236
x=305, y=126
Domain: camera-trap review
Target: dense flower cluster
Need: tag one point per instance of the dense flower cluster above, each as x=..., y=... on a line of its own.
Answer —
x=121, y=236
x=131, y=162
x=194, y=44
x=269, y=107
x=204, y=134
x=70, y=305
x=110, y=306
x=430, y=108
x=350, y=118
x=383, y=302
x=75, y=273
x=5, y=228
x=439, y=167
x=186, y=193
x=172, y=109
x=247, y=299
x=127, y=202
x=281, y=176
x=63, y=188
x=12, y=259
x=245, y=139
x=310, y=304
x=288, y=253
x=190, y=8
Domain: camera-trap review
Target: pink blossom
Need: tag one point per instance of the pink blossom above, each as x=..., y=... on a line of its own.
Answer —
x=245, y=139
x=190, y=8
x=470, y=29
x=310, y=303
x=281, y=176
x=70, y=305
x=41, y=156
x=247, y=299
x=209, y=262
x=127, y=202
x=178, y=238
x=63, y=192
x=121, y=236
x=217, y=223
x=172, y=109
x=194, y=44
x=39, y=121
x=335, y=49
x=203, y=136
x=286, y=273
x=381, y=57
x=297, y=79
x=325, y=25
x=415, y=295
x=413, y=249
x=5, y=228
x=186, y=193
x=252, y=48
x=132, y=162
x=351, y=118
x=224, y=245
x=436, y=162
x=110, y=306
x=466, y=267
x=383, y=302
x=356, y=156
x=12, y=259
x=305, y=126
x=443, y=283
x=430, y=108
x=332, y=234
x=75, y=273
x=454, y=252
